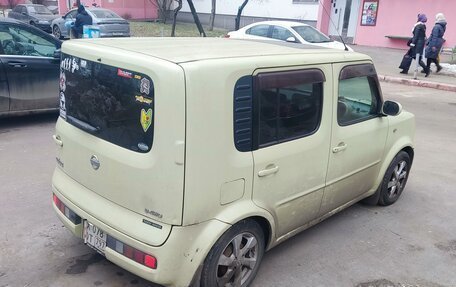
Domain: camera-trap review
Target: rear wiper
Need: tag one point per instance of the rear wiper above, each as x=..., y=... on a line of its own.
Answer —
x=83, y=125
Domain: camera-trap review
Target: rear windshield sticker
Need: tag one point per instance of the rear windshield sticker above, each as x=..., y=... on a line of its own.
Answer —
x=143, y=146
x=138, y=77
x=146, y=119
x=70, y=65
x=125, y=74
x=145, y=86
x=83, y=63
x=143, y=100
x=62, y=81
x=62, y=105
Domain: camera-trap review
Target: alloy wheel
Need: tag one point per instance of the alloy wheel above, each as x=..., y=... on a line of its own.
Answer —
x=397, y=180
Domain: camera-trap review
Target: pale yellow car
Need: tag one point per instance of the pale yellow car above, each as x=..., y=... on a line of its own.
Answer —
x=183, y=160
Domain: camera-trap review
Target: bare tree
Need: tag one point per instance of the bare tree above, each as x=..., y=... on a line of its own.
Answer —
x=176, y=10
x=196, y=18
x=238, y=16
x=212, y=19
x=163, y=7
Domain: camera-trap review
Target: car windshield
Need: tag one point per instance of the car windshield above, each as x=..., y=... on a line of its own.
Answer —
x=104, y=14
x=39, y=10
x=311, y=35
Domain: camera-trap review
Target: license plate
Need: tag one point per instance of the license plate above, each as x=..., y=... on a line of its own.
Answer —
x=94, y=237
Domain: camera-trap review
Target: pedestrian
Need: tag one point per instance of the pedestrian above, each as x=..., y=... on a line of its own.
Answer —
x=417, y=43
x=435, y=43
x=82, y=18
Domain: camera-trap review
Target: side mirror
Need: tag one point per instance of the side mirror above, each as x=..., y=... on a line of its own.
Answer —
x=291, y=40
x=391, y=108
x=57, y=54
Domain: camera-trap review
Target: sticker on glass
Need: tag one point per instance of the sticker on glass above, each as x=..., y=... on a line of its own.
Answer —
x=138, y=77
x=146, y=119
x=70, y=65
x=83, y=63
x=62, y=105
x=143, y=146
x=145, y=86
x=143, y=100
x=124, y=74
x=62, y=81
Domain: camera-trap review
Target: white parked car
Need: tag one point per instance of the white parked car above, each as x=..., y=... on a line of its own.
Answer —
x=289, y=31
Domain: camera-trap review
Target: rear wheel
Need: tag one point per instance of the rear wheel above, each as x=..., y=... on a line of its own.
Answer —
x=235, y=258
x=395, y=179
x=56, y=32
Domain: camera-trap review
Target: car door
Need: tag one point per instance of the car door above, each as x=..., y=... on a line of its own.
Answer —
x=291, y=140
x=358, y=135
x=70, y=16
x=4, y=92
x=30, y=67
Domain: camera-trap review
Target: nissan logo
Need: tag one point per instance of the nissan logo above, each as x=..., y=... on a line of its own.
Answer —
x=95, y=162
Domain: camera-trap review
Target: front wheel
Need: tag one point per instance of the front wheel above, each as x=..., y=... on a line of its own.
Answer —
x=56, y=32
x=395, y=179
x=235, y=258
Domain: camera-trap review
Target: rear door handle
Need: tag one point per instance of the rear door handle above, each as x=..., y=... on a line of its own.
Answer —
x=17, y=64
x=57, y=140
x=270, y=169
x=340, y=147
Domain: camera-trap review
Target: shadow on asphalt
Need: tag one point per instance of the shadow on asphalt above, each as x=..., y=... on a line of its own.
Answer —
x=27, y=121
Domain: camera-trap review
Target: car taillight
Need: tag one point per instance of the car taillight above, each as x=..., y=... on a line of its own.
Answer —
x=73, y=217
x=226, y=36
x=132, y=253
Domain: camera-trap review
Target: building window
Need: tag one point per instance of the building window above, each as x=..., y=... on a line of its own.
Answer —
x=304, y=1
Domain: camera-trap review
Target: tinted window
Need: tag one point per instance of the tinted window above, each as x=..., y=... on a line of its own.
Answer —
x=17, y=9
x=281, y=33
x=259, y=30
x=289, y=105
x=39, y=10
x=71, y=14
x=18, y=41
x=358, y=98
x=112, y=103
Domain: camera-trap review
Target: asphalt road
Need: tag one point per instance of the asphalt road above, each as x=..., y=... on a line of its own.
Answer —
x=411, y=243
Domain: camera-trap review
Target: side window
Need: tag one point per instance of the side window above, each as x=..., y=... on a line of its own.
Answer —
x=281, y=33
x=359, y=97
x=71, y=14
x=17, y=9
x=23, y=10
x=259, y=30
x=18, y=41
x=289, y=105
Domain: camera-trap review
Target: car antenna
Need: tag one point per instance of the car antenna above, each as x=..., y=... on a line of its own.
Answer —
x=340, y=36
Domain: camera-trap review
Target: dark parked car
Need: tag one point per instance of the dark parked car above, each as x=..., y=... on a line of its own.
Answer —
x=34, y=14
x=109, y=23
x=29, y=69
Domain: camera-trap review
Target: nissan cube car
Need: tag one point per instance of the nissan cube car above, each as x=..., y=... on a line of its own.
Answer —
x=183, y=160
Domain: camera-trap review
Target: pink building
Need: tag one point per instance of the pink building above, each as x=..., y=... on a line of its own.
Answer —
x=383, y=23
x=134, y=9
x=6, y=3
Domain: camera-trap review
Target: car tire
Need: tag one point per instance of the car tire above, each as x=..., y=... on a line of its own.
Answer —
x=56, y=32
x=223, y=267
x=395, y=178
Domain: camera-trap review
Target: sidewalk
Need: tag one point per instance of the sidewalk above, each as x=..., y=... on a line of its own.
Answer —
x=387, y=60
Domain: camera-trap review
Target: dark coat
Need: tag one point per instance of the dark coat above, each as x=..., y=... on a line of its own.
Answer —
x=435, y=41
x=419, y=38
x=82, y=18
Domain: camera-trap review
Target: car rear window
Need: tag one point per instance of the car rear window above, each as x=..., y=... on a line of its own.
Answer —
x=105, y=14
x=111, y=103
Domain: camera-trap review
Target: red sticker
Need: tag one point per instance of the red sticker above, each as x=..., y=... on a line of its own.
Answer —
x=124, y=74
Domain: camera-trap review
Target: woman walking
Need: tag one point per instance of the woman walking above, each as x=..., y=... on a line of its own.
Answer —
x=435, y=43
x=417, y=43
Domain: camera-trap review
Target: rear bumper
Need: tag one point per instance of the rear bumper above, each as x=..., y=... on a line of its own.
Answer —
x=178, y=258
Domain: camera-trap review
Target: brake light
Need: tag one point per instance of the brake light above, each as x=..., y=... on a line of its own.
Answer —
x=226, y=36
x=132, y=253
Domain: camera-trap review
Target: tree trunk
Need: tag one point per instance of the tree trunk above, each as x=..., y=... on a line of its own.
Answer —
x=238, y=17
x=211, y=21
x=195, y=17
x=173, y=30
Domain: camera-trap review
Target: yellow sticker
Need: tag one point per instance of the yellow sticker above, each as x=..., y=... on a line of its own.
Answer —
x=143, y=100
x=138, y=77
x=146, y=119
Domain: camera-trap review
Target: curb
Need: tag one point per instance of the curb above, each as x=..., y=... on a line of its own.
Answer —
x=418, y=83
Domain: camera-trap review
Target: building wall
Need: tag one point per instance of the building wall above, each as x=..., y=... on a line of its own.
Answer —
x=397, y=18
x=4, y=3
x=271, y=9
x=137, y=9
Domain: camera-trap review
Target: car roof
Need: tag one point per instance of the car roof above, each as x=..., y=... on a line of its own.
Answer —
x=181, y=50
x=281, y=23
x=9, y=20
x=32, y=5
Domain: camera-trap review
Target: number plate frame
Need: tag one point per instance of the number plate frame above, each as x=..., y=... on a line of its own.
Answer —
x=94, y=237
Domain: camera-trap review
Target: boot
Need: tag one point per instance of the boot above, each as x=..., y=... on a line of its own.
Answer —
x=439, y=68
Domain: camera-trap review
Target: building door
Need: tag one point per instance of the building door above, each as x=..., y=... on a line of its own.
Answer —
x=344, y=19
